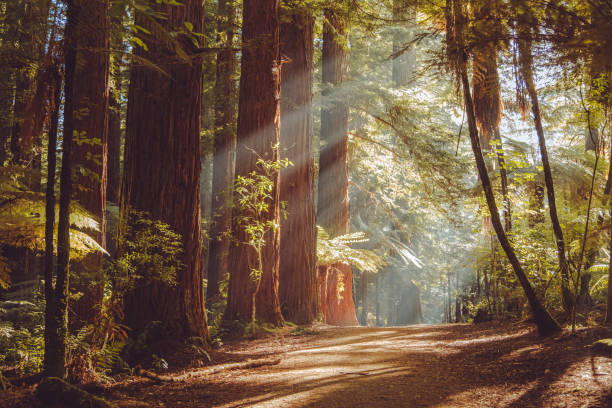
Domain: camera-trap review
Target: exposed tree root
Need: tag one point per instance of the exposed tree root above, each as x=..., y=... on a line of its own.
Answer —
x=212, y=370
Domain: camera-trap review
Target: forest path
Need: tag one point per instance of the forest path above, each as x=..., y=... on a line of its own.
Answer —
x=443, y=365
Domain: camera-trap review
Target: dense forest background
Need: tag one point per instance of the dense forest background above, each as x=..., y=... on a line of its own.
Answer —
x=174, y=172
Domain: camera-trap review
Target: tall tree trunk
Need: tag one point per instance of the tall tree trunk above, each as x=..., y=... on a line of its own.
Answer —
x=113, y=162
x=115, y=135
x=50, y=322
x=258, y=138
x=333, y=199
x=545, y=323
x=56, y=334
x=162, y=169
x=297, y=270
x=526, y=67
x=364, y=298
x=90, y=150
x=25, y=146
x=7, y=95
x=224, y=151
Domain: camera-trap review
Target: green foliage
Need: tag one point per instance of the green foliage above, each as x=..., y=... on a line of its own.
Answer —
x=21, y=335
x=338, y=250
x=253, y=198
x=22, y=221
x=149, y=249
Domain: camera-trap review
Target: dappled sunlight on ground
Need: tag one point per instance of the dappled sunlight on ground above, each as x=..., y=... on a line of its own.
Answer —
x=418, y=366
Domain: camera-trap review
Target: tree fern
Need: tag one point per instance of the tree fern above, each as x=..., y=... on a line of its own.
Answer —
x=22, y=221
x=338, y=250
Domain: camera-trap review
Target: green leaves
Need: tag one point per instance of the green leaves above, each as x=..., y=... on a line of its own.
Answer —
x=151, y=250
x=338, y=250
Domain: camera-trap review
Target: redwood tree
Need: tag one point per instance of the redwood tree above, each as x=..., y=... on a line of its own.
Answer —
x=336, y=281
x=297, y=271
x=224, y=150
x=257, y=138
x=162, y=165
x=90, y=147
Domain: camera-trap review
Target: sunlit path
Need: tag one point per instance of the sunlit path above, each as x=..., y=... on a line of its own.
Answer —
x=416, y=366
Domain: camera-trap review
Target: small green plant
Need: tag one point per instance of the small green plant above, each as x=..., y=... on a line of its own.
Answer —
x=21, y=334
x=253, y=197
x=149, y=249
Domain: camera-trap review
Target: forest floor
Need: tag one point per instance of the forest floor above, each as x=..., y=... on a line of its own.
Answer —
x=461, y=365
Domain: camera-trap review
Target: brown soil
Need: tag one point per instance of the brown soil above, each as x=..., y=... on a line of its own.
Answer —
x=442, y=366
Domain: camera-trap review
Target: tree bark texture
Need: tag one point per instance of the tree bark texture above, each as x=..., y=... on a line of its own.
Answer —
x=56, y=334
x=113, y=162
x=90, y=150
x=50, y=327
x=333, y=199
x=224, y=151
x=32, y=39
x=257, y=138
x=297, y=271
x=162, y=169
x=7, y=95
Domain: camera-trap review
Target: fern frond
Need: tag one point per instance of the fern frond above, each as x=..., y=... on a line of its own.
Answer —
x=338, y=250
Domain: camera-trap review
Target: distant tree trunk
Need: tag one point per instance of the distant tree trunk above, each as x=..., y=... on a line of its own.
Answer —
x=364, y=298
x=297, y=270
x=114, y=151
x=333, y=198
x=258, y=138
x=113, y=162
x=536, y=203
x=7, y=95
x=162, y=170
x=50, y=322
x=90, y=150
x=404, y=55
x=224, y=151
x=377, y=300
x=526, y=67
x=32, y=38
x=56, y=333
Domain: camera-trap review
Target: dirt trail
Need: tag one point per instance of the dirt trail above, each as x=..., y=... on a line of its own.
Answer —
x=417, y=366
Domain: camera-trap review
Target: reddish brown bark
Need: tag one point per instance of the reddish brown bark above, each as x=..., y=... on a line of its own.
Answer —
x=333, y=199
x=113, y=162
x=90, y=149
x=162, y=170
x=224, y=150
x=258, y=137
x=31, y=38
x=297, y=271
